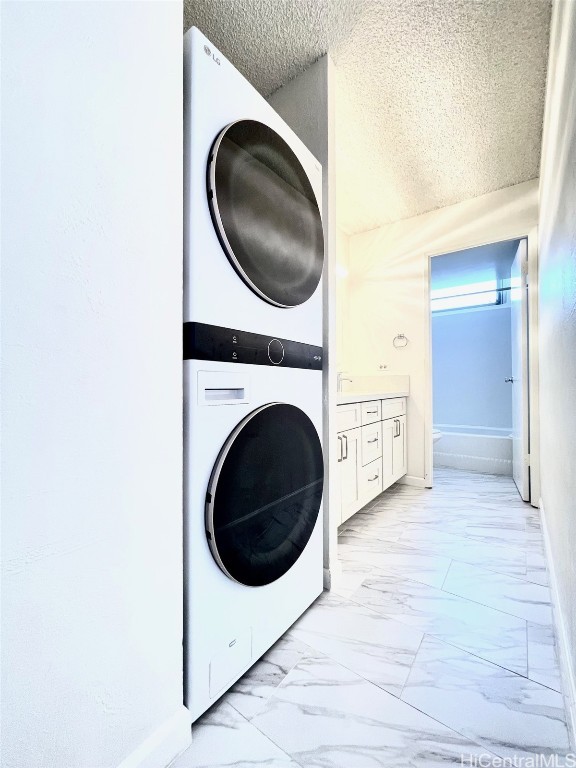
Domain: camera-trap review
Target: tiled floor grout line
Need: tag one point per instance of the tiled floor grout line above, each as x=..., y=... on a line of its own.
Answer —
x=488, y=750
x=478, y=656
x=415, y=547
x=392, y=617
x=266, y=736
x=375, y=685
x=424, y=636
x=486, y=605
x=446, y=575
x=453, y=594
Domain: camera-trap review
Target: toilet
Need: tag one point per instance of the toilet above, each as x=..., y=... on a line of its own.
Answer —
x=436, y=435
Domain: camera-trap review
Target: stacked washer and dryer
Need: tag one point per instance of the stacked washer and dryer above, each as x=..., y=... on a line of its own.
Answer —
x=254, y=253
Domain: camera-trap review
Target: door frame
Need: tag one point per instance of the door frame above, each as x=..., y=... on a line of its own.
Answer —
x=533, y=358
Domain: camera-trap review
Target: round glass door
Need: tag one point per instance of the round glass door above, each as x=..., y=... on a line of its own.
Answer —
x=264, y=494
x=265, y=213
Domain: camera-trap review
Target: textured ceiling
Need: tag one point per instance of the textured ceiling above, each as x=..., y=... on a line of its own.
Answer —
x=437, y=101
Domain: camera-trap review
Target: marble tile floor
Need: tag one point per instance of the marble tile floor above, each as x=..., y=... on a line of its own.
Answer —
x=434, y=647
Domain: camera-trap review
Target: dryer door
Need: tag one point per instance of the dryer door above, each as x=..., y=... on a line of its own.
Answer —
x=265, y=213
x=264, y=494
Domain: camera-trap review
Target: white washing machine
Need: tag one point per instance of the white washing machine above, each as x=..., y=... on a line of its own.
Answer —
x=253, y=240
x=253, y=500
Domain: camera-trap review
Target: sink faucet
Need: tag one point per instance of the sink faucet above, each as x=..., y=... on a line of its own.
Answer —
x=339, y=379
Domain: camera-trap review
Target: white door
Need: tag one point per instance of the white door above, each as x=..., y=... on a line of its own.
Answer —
x=519, y=377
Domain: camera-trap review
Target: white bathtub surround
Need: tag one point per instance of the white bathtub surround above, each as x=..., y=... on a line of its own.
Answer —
x=478, y=449
x=407, y=661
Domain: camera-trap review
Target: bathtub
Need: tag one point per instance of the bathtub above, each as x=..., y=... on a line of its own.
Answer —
x=480, y=449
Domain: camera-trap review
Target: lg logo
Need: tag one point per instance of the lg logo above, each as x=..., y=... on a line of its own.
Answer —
x=208, y=52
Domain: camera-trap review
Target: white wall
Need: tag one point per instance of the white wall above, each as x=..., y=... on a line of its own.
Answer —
x=557, y=244
x=91, y=321
x=341, y=304
x=306, y=103
x=472, y=355
x=388, y=294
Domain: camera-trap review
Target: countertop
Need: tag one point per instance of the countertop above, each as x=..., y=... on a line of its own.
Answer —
x=343, y=398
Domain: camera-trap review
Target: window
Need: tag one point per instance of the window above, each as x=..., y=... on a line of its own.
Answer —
x=462, y=296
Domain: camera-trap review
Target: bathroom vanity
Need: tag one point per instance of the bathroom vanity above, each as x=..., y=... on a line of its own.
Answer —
x=371, y=447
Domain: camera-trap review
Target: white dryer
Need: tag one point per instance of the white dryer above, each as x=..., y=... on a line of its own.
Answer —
x=253, y=491
x=253, y=240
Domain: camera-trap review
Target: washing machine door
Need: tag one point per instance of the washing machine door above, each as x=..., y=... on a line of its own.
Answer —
x=265, y=213
x=264, y=494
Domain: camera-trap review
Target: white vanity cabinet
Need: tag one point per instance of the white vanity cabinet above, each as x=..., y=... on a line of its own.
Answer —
x=371, y=450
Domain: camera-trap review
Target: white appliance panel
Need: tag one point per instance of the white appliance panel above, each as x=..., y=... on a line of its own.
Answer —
x=216, y=94
x=219, y=612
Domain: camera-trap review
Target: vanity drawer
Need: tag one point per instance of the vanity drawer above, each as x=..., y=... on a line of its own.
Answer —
x=396, y=406
x=371, y=442
x=370, y=480
x=348, y=416
x=371, y=411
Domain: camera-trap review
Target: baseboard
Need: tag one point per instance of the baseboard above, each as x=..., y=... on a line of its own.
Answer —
x=567, y=671
x=415, y=482
x=164, y=745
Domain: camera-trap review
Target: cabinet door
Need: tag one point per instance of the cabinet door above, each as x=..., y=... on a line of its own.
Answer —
x=336, y=519
x=349, y=472
x=348, y=416
x=370, y=481
x=399, y=448
x=371, y=443
x=371, y=412
x=393, y=408
x=404, y=446
x=388, y=429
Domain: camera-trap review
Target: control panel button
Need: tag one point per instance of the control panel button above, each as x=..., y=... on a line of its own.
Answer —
x=275, y=352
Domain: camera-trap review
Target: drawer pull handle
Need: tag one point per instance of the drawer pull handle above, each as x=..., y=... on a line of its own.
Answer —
x=373, y=441
x=371, y=479
x=376, y=411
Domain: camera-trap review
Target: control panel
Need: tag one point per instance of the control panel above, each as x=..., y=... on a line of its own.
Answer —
x=212, y=342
